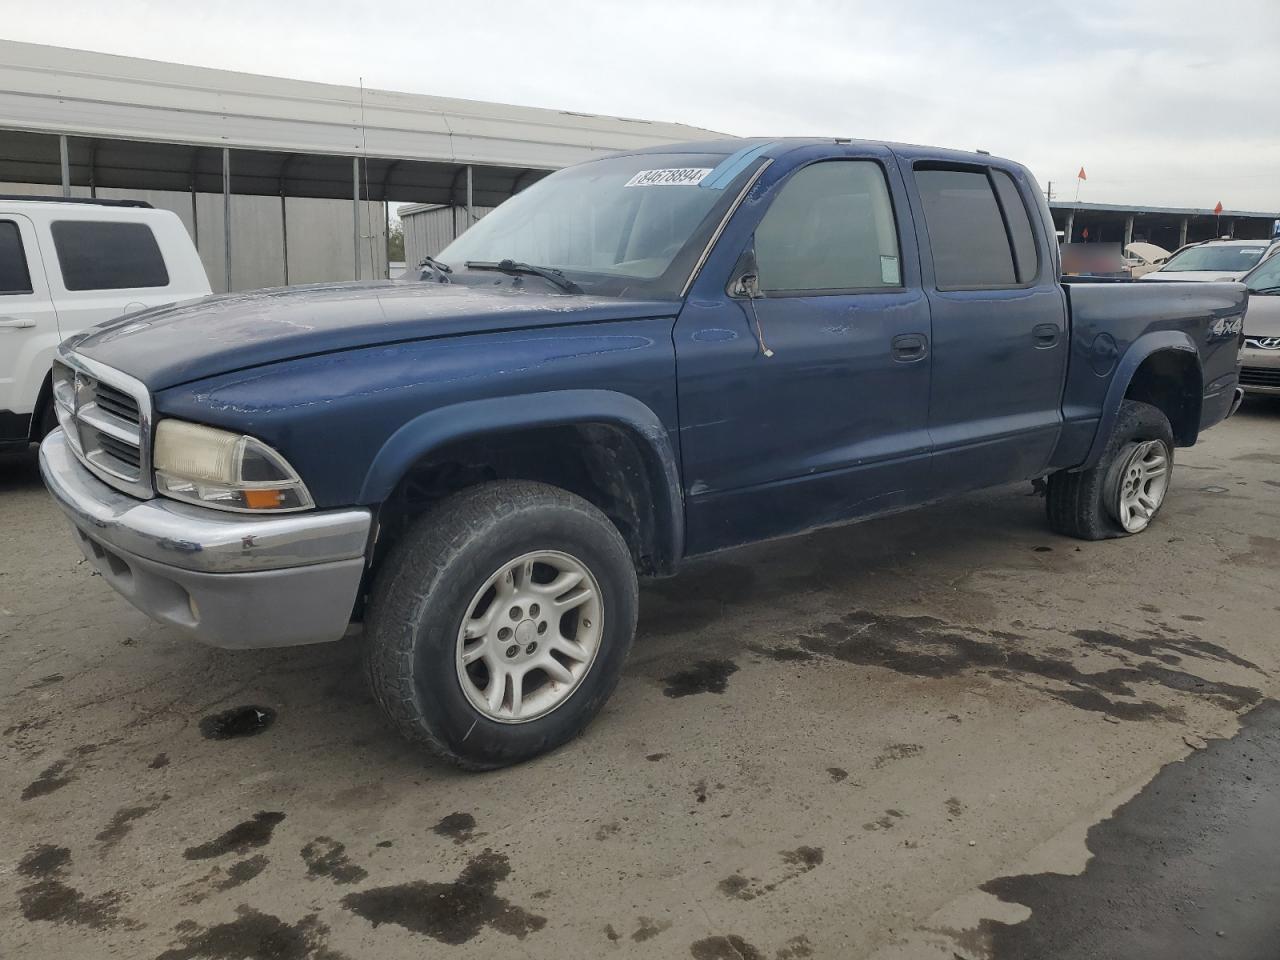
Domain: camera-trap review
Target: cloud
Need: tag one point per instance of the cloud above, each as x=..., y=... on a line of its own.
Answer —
x=1166, y=102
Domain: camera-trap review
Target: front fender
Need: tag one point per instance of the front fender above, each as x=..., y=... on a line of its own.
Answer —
x=1132, y=359
x=461, y=421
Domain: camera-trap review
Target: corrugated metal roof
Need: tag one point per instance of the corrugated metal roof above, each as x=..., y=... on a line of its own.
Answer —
x=1173, y=211
x=57, y=90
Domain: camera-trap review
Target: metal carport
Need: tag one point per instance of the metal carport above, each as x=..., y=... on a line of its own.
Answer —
x=72, y=118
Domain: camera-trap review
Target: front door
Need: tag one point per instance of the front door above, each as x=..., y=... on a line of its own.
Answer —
x=808, y=405
x=28, y=325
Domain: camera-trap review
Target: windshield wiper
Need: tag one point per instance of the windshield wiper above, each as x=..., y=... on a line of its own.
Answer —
x=441, y=270
x=550, y=274
x=1275, y=289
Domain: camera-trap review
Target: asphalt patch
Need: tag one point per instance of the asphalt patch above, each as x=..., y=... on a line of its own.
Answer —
x=1189, y=869
x=451, y=913
x=705, y=676
x=246, y=721
x=241, y=838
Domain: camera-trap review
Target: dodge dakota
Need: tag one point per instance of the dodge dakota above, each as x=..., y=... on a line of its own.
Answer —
x=637, y=360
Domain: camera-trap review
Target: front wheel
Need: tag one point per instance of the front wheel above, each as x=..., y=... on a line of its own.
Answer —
x=1123, y=492
x=501, y=622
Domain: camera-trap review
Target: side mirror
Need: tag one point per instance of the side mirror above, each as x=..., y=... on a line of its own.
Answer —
x=746, y=282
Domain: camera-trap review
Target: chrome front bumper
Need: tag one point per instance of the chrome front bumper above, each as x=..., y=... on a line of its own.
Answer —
x=229, y=580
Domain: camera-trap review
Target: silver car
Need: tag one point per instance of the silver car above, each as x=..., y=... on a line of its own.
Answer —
x=1260, y=358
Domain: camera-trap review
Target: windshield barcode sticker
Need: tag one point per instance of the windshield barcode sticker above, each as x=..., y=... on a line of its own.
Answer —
x=670, y=177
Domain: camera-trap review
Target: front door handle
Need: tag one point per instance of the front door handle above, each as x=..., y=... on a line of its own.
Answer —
x=910, y=347
x=20, y=322
x=1046, y=335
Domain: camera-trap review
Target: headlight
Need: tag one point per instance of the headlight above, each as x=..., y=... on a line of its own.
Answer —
x=228, y=471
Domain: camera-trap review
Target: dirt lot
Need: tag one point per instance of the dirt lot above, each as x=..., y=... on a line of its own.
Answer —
x=824, y=747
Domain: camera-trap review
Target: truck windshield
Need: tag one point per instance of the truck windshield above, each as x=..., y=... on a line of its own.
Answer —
x=1219, y=257
x=621, y=226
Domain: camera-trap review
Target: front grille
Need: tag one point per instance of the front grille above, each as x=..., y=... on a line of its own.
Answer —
x=1260, y=376
x=106, y=416
x=118, y=403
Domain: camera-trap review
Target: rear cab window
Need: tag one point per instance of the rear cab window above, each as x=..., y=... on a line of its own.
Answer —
x=108, y=255
x=15, y=275
x=980, y=232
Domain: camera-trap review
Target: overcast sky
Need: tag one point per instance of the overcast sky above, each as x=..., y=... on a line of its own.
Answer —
x=1168, y=103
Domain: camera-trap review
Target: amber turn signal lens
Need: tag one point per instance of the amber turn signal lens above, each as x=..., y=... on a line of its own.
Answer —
x=262, y=499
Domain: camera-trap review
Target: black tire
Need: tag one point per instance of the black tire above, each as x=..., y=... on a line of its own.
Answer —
x=421, y=595
x=1078, y=503
x=47, y=422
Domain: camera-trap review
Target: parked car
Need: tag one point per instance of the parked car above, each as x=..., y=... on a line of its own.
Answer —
x=637, y=360
x=66, y=265
x=1260, y=358
x=1141, y=258
x=1214, y=260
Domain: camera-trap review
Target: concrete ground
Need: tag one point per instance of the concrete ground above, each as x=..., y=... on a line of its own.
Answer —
x=881, y=741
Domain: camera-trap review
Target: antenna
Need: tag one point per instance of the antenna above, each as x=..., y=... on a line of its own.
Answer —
x=364, y=150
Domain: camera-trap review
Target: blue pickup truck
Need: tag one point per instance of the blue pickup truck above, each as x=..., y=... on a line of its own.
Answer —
x=639, y=359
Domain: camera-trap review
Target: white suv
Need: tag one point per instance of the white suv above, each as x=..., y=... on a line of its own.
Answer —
x=1215, y=260
x=69, y=264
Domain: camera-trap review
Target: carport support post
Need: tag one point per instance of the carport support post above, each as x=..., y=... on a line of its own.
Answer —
x=1071, y=224
x=64, y=156
x=355, y=214
x=284, y=234
x=226, y=216
x=1128, y=232
x=1182, y=233
x=470, y=198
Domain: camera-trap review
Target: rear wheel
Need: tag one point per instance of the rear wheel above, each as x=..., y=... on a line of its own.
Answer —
x=1122, y=494
x=501, y=622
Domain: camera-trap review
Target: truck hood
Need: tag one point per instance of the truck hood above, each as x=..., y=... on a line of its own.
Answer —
x=1263, y=316
x=178, y=343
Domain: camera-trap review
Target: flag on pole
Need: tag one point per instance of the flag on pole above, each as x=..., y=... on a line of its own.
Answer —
x=1217, y=211
x=1080, y=175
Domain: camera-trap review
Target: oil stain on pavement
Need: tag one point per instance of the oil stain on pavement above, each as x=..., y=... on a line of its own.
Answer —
x=52, y=900
x=241, y=838
x=923, y=646
x=451, y=913
x=1189, y=869
x=705, y=676
x=246, y=721
x=253, y=934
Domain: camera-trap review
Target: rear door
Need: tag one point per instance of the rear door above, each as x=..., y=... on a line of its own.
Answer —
x=104, y=267
x=807, y=406
x=28, y=325
x=999, y=325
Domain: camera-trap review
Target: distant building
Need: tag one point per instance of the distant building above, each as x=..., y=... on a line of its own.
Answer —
x=1168, y=227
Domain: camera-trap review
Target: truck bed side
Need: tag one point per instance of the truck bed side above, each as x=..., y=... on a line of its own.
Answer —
x=1130, y=338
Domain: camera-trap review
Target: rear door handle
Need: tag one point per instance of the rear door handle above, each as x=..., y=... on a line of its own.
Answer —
x=910, y=347
x=19, y=322
x=1046, y=335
